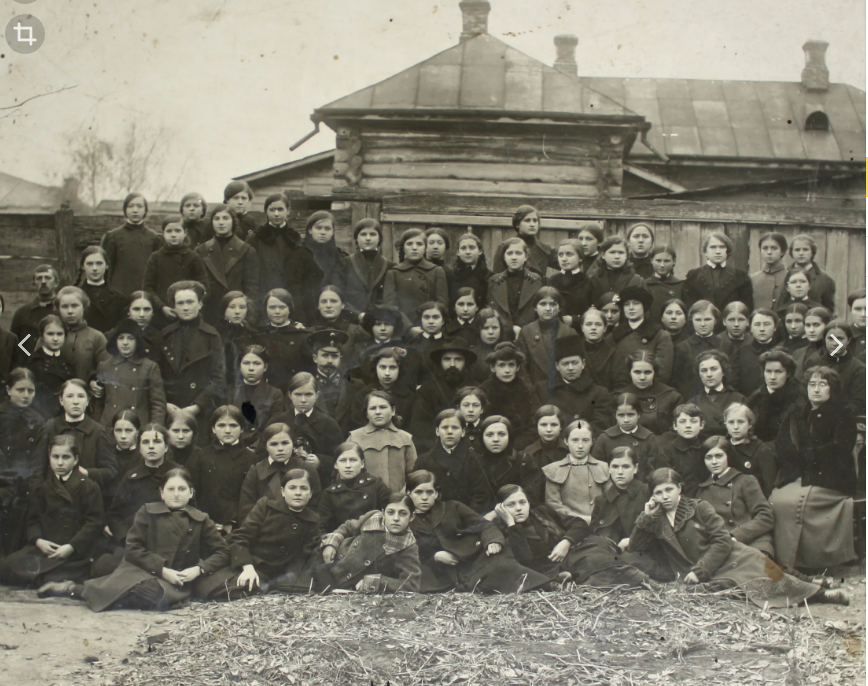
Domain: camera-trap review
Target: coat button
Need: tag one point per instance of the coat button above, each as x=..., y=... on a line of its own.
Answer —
x=295, y=525
x=478, y=543
x=728, y=502
x=729, y=485
x=192, y=385
x=367, y=563
x=349, y=576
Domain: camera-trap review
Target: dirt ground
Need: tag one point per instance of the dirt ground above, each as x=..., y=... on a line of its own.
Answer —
x=59, y=642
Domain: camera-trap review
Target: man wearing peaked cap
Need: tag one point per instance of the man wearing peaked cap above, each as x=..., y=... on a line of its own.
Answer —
x=336, y=391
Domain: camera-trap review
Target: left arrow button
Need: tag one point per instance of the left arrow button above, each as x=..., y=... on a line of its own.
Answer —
x=21, y=344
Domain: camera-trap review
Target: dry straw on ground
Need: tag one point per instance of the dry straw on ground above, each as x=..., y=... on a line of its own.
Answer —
x=587, y=636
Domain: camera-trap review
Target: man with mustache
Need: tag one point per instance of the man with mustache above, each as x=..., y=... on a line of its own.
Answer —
x=27, y=317
x=336, y=390
x=450, y=361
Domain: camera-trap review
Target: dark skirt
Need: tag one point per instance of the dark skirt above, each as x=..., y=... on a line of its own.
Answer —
x=499, y=573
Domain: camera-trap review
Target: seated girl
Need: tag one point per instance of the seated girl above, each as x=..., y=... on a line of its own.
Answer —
x=697, y=545
x=273, y=548
x=614, y=272
x=508, y=390
x=182, y=432
x=141, y=310
x=386, y=329
x=219, y=470
x=736, y=322
x=777, y=397
x=737, y=498
x=331, y=314
x=681, y=449
x=816, y=320
x=548, y=448
x=50, y=370
x=636, y=331
x=797, y=287
x=746, y=452
x=172, y=548
x=376, y=553
x=462, y=322
x=501, y=463
x=388, y=365
x=793, y=319
x=493, y=329
x=125, y=427
x=139, y=486
x=128, y=380
x=747, y=374
x=64, y=519
x=460, y=550
x=353, y=493
x=704, y=318
x=657, y=400
x=539, y=537
x=389, y=452
x=263, y=479
x=536, y=340
x=574, y=482
x=258, y=402
x=674, y=320
x=629, y=433
x=510, y=291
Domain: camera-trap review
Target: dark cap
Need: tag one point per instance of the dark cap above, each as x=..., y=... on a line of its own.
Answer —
x=569, y=346
x=327, y=338
x=453, y=345
x=636, y=293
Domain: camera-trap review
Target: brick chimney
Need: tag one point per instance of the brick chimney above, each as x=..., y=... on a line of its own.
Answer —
x=565, y=44
x=475, y=13
x=815, y=75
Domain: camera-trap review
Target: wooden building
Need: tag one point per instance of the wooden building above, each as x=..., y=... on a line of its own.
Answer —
x=464, y=137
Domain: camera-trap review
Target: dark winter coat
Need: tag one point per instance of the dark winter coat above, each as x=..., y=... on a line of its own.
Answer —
x=126, y=459
x=366, y=552
x=498, y=297
x=139, y=486
x=344, y=500
x=657, y=405
x=642, y=441
x=84, y=349
x=822, y=287
x=107, y=306
x=235, y=338
x=852, y=373
x=579, y=399
x=68, y=512
x=517, y=401
x=575, y=289
x=10, y=353
x=51, y=373
x=712, y=405
x=432, y=397
x=537, y=342
x=265, y=402
x=729, y=345
x=734, y=285
x=19, y=431
x=508, y=467
x=128, y=248
x=94, y=442
x=459, y=474
x=540, y=257
x=615, y=510
x=263, y=480
x=408, y=285
x=194, y=374
x=234, y=267
x=605, y=280
x=403, y=397
x=771, y=408
x=170, y=265
x=747, y=373
x=154, y=342
x=757, y=459
x=684, y=378
x=285, y=263
x=463, y=276
x=816, y=445
x=134, y=384
x=360, y=286
x=649, y=335
x=600, y=361
x=161, y=538
x=218, y=473
x=287, y=350
x=685, y=457
x=26, y=321
x=739, y=501
x=532, y=541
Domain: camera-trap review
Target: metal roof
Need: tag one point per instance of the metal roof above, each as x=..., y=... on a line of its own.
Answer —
x=481, y=74
x=742, y=119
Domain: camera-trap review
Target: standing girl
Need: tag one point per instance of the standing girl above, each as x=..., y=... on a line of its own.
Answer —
x=319, y=238
x=736, y=322
x=219, y=470
x=493, y=328
x=526, y=222
x=614, y=272
x=718, y=280
x=571, y=282
x=50, y=370
x=704, y=318
x=511, y=291
x=258, y=401
x=171, y=548
x=599, y=350
x=765, y=333
x=128, y=380
x=663, y=284
x=636, y=331
x=469, y=269
x=129, y=246
x=414, y=279
x=537, y=339
x=83, y=347
x=141, y=310
x=574, y=482
x=236, y=331
x=590, y=236
x=19, y=427
x=641, y=240
x=175, y=261
x=361, y=275
x=465, y=307
x=389, y=451
x=63, y=523
x=657, y=400
x=797, y=285
x=106, y=304
x=231, y=264
x=285, y=340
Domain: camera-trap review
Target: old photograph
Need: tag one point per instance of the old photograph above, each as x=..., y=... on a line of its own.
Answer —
x=412, y=343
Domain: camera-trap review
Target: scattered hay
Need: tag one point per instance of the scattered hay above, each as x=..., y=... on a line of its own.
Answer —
x=583, y=635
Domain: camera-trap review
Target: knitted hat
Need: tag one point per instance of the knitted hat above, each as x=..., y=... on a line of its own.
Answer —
x=636, y=293
x=236, y=187
x=569, y=346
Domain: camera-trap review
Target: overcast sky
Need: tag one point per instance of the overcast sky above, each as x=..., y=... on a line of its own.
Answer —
x=235, y=81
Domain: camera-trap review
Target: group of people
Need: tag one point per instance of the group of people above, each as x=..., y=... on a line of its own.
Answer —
x=231, y=408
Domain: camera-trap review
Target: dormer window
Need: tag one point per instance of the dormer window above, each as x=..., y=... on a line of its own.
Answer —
x=817, y=121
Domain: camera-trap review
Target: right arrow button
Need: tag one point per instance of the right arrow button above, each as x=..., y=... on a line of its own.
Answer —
x=840, y=345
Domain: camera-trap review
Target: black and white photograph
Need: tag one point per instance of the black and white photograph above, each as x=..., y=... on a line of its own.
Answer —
x=466, y=342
